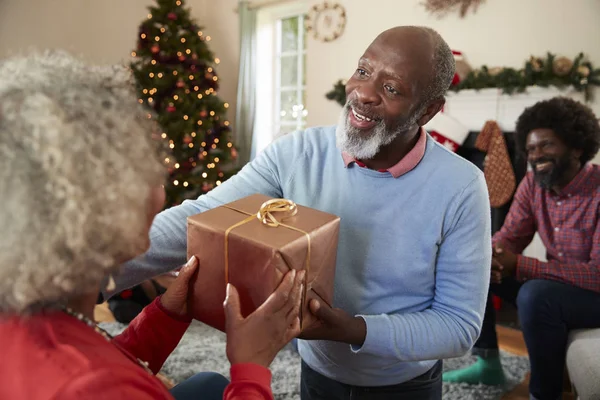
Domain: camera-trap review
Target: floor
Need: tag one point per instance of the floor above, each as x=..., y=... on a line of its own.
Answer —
x=510, y=339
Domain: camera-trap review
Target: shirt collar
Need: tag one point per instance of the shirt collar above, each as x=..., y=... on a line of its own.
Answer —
x=576, y=183
x=406, y=164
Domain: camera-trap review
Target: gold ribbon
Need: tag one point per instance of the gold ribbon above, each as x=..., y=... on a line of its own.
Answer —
x=266, y=215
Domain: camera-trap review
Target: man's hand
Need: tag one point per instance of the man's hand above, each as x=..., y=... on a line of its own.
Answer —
x=175, y=299
x=504, y=264
x=259, y=337
x=335, y=324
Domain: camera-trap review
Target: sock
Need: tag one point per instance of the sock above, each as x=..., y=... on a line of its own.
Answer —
x=485, y=370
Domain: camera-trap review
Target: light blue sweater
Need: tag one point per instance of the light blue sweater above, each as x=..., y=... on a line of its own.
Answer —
x=413, y=257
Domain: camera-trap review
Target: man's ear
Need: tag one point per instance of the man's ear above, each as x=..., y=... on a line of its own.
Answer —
x=433, y=108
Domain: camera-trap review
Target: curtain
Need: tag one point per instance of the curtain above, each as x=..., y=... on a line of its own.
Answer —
x=246, y=90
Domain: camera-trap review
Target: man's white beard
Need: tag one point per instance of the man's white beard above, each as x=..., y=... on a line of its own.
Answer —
x=364, y=147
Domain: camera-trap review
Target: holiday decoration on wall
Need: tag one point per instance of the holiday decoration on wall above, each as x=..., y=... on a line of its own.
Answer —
x=560, y=72
x=326, y=21
x=441, y=8
x=549, y=71
x=176, y=78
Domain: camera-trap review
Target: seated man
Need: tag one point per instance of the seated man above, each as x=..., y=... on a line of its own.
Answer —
x=560, y=200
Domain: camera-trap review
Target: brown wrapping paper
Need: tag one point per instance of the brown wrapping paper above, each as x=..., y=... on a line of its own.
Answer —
x=259, y=256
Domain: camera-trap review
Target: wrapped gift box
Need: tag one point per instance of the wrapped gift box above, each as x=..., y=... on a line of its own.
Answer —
x=252, y=244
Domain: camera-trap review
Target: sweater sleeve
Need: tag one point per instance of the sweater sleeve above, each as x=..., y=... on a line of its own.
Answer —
x=153, y=335
x=249, y=382
x=114, y=383
x=168, y=234
x=450, y=326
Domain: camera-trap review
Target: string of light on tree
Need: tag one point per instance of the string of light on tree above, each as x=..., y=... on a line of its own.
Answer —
x=174, y=71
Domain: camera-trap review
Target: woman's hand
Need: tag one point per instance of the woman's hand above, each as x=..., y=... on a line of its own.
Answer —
x=175, y=299
x=260, y=336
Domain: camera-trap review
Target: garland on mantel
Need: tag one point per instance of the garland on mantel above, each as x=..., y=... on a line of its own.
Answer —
x=555, y=71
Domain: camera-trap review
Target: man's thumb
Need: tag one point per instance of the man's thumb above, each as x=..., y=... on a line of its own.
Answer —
x=232, y=305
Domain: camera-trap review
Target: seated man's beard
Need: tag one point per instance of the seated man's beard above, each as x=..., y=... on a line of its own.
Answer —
x=365, y=144
x=555, y=175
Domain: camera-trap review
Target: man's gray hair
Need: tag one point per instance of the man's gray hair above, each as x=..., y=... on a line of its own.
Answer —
x=444, y=67
x=78, y=159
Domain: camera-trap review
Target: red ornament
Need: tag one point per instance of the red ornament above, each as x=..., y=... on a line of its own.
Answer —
x=234, y=153
x=201, y=157
x=207, y=186
x=181, y=58
x=187, y=139
x=203, y=114
x=180, y=84
x=172, y=16
x=171, y=109
x=155, y=49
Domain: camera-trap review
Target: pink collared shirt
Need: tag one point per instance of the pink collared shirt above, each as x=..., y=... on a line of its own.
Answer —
x=406, y=164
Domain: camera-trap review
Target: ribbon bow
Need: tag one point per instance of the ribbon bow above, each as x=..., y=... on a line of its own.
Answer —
x=265, y=214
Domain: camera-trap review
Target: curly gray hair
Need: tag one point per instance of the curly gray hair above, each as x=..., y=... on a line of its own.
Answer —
x=77, y=162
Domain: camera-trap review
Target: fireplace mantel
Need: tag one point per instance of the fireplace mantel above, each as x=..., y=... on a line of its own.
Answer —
x=473, y=108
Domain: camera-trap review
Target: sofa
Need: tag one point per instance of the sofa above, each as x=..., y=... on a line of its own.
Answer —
x=583, y=363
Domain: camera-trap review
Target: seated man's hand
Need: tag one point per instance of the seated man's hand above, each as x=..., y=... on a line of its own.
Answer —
x=175, y=299
x=335, y=324
x=261, y=335
x=504, y=264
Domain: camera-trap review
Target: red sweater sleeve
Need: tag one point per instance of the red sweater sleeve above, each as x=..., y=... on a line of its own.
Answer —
x=249, y=382
x=114, y=383
x=153, y=335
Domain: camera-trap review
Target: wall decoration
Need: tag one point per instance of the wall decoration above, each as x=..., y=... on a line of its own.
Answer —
x=441, y=8
x=326, y=21
x=560, y=72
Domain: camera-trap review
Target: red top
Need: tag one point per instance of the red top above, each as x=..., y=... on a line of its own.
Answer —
x=568, y=224
x=55, y=356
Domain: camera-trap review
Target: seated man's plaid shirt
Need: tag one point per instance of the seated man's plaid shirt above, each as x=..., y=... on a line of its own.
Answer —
x=568, y=224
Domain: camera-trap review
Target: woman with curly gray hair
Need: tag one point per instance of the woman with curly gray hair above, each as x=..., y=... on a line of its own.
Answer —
x=80, y=183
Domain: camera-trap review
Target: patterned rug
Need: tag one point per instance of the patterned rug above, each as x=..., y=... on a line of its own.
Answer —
x=203, y=349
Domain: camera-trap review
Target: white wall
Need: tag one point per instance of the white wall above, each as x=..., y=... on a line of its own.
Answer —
x=105, y=31
x=502, y=32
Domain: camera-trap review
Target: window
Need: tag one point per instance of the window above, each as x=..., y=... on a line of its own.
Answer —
x=290, y=75
x=281, y=73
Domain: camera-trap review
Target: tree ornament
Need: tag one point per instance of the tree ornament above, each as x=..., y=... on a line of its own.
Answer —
x=562, y=66
x=171, y=109
x=537, y=64
x=583, y=70
x=172, y=16
x=155, y=49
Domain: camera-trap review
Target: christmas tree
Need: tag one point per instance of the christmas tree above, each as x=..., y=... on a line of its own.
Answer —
x=175, y=75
